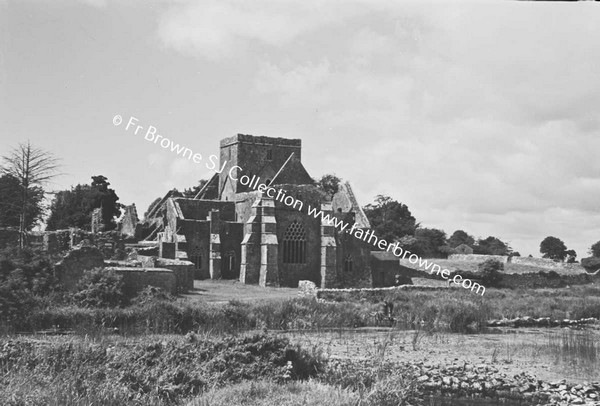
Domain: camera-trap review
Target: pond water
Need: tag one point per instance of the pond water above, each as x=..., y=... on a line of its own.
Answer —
x=445, y=401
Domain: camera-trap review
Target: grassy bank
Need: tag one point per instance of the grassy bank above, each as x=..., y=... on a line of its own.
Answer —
x=174, y=370
x=452, y=310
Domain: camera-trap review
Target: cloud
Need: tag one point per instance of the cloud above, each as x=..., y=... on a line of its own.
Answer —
x=477, y=116
x=226, y=29
x=95, y=3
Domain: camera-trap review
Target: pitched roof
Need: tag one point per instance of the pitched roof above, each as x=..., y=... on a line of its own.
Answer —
x=293, y=172
x=206, y=188
x=346, y=200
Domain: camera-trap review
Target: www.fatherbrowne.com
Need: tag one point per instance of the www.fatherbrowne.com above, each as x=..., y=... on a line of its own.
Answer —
x=279, y=195
x=367, y=236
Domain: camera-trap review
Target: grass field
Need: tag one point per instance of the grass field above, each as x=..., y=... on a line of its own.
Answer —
x=224, y=290
x=472, y=266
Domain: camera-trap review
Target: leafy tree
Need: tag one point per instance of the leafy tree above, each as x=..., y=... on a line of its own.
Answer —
x=491, y=272
x=390, y=219
x=491, y=246
x=591, y=264
x=11, y=203
x=190, y=193
x=571, y=256
x=329, y=183
x=152, y=206
x=108, y=201
x=460, y=237
x=595, y=250
x=428, y=243
x=553, y=248
x=24, y=275
x=73, y=208
x=32, y=167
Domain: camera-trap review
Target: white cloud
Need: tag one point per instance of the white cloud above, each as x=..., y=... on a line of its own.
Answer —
x=480, y=117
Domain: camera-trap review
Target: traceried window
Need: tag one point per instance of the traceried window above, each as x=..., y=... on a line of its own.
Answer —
x=348, y=263
x=294, y=244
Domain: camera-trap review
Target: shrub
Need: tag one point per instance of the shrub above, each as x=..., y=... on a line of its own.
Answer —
x=100, y=288
x=591, y=264
x=16, y=301
x=490, y=271
x=151, y=294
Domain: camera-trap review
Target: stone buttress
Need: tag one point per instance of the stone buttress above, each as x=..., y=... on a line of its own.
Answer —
x=329, y=277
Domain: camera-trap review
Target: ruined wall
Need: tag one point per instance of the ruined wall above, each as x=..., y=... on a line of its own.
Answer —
x=548, y=279
x=136, y=279
x=197, y=235
x=57, y=241
x=546, y=263
x=130, y=221
x=477, y=257
x=183, y=270
x=359, y=253
x=385, y=266
x=70, y=269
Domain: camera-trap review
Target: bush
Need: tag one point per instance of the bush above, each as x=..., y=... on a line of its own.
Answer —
x=16, y=300
x=591, y=264
x=490, y=271
x=152, y=294
x=100, y=288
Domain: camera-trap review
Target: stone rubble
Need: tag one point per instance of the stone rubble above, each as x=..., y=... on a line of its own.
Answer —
x=462, y=379
x=540, y=322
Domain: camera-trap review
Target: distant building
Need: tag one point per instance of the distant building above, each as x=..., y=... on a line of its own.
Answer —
x=463, y=249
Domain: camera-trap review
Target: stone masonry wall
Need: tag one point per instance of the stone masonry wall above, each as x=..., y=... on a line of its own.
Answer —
x=477, y=257
x=546, y=263
x=547, y=280
x=183, y=270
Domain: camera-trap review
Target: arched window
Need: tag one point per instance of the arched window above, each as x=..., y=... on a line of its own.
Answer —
x=230, y=260
x=348, y=263
x=294, y=244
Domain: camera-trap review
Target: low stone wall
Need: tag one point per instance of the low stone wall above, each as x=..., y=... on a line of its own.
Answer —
x=309, y=289
x=136, y=279
x=477, y=257
x=546, y=263
x=540, y=322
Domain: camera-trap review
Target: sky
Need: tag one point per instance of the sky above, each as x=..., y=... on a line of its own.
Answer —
x=481, y=116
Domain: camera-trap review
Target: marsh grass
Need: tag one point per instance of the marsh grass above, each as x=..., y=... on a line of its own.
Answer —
x=577, y=350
